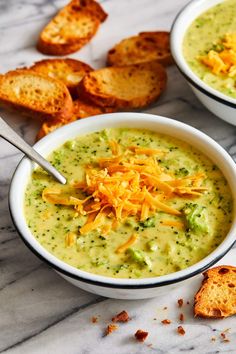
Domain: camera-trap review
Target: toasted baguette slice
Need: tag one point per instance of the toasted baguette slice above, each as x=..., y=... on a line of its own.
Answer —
x=146, y=46
x=217, y=296
x=124, y=87
x=71, y=28
x=69, y=71
x=82, y=109
x=35, y=95
x=49, y=126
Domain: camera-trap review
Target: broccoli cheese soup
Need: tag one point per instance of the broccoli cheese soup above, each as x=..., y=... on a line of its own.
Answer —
x=137, y=204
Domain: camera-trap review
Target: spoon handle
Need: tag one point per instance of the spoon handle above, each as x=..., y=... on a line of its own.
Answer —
x=7, y=133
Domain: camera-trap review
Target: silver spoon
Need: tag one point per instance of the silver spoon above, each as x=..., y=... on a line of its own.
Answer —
x=7, y=133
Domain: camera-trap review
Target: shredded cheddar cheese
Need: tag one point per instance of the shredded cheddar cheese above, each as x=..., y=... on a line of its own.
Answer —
x=125, y=185
x=70, y=239
x=173, y=223
x=114, y=147
x=127, y=244
x=230, y=41
x=223, y=61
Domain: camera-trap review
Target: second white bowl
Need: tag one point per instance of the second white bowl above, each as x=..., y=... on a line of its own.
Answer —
x=221, y=105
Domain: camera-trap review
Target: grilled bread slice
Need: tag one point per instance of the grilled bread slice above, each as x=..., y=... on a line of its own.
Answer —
x=35, y=95
x=146, y=46
x=82, y=109
x=69, y=71
x=124, y=87
x=217, y=296
x=71, y=28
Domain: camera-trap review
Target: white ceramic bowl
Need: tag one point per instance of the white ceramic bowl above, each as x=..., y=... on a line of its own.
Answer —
x=221, y=105
x=107, y=286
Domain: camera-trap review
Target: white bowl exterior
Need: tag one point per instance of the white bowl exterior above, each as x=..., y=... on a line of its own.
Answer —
x=125, y=294
x=129, y=120
x=181, y=24
x=222, y=111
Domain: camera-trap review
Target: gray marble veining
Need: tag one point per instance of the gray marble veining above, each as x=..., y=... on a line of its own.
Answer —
x=39, y=311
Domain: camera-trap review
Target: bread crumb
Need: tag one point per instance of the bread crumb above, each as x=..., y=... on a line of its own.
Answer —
x=123, y=316
x=94, y=319
x=181, y=317
x=224, y=338
x=223, y=335
x=141, y=335
x=180, y=302
x=166, y=321
x=111, y=328
x=181, y=331
x=213, y=339
x=165, y=308
x=226, y=330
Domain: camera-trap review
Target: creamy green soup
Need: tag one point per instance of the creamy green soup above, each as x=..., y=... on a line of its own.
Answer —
x=205, y=34
x=164, y=243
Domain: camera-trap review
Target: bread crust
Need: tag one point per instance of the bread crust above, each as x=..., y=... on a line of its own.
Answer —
x=150, y=77
x=62, y=69
x=84, y=109
x=40, y=107
x=216, y=297
x=55, y=40
x=146, y=46
x=81, y=109
x=49, y=126
x=46, y=47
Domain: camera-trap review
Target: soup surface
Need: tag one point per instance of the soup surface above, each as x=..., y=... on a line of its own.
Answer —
x=209, y=47
x=137, y=204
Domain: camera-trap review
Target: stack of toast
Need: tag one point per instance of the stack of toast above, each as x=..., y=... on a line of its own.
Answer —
x=62, y=90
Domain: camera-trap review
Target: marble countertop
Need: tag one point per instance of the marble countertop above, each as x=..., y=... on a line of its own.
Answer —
x=39, y=311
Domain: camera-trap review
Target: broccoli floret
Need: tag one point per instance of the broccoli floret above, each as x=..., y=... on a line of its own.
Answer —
x=196, y=217
x=70, y=144
x=104, y=135
x=152, y=246
x=99, y=263
x=218, y=47
x=131, y=222
x=135, y=255
x=150, y=222
x=139, y=257
x=181, y=172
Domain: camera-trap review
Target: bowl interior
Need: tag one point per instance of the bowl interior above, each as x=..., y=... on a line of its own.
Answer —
x=183, y=20
x=126, y=120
